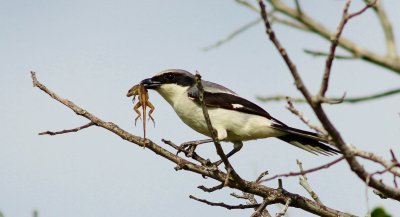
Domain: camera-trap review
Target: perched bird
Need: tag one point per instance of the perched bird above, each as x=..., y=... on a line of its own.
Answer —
x=234, y=118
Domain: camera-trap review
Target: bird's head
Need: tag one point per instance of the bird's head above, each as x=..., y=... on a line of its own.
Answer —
x=170, y=83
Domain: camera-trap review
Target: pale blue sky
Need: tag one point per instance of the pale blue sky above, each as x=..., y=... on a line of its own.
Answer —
x=92, y=52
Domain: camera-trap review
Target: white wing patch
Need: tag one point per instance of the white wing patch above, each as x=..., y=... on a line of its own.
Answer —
x=236, y=106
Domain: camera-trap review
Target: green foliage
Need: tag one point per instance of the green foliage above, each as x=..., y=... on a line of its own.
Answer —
x=379, y=212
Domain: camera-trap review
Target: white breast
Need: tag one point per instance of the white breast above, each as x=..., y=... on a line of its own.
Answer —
x=237, y=126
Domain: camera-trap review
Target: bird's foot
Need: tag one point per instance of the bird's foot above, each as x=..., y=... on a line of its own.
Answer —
x=210, y=166
x=188, y=148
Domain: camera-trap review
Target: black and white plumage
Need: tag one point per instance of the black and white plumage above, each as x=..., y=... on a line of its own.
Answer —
x=234, y=118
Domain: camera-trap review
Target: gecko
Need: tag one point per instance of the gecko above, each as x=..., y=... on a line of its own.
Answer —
x=142, y=93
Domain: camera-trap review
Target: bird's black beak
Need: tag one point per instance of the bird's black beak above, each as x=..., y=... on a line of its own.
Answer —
x=150, y=83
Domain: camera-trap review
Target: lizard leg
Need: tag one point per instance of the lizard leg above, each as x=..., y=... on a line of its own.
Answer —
x=151, y=106
x=136, y=108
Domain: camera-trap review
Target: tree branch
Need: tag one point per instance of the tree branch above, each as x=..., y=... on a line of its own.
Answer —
x=324, y=54
x=214, y=135
x=386, y=27
x=304, y=182
x=51, y=133
x=393, y=64
x=261, y=208
x=240, y=206
x=334, y=43
x=324, y=166
x=232, y=35
x=318, y=110
x=379, y=95
x=252, y=188
x=303, y=118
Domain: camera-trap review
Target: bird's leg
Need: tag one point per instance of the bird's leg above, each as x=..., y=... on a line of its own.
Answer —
x=136, y=108
x=190, y=146
x=236, y=147
x=151, y=111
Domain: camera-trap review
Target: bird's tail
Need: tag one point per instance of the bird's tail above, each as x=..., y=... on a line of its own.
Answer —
x=308, y=141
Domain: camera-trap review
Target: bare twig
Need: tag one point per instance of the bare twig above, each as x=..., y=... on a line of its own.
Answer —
x=261, y=176
x=232, y=35
x=386, y=27
x=304, y=182
x=334, y=43
x=252, y=200
x=67, y=131
x=259, y=211
x=298, y=7
x=377, y=159
x=324, y=54
x=345, y=100
x=248, y=5
x=394, y=160
x=240, y=206
x=285, y=208
x=325, y=166
x=287, y=22
x=304, y=118
x=214, y=135
x=292, y=67
x=209, y=190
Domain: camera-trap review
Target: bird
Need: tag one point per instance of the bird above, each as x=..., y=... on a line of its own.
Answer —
x=234, y=118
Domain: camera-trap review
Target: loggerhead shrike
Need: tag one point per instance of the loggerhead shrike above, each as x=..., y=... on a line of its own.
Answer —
x=234, y=118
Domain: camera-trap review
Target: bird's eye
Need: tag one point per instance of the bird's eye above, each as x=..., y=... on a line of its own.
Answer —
x=170, y=76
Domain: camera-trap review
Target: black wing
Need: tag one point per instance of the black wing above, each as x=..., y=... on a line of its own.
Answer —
x=232, y=102
x=308, y=141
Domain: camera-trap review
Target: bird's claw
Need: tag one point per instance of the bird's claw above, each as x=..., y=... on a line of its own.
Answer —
x=211, y=166
x=188, y=148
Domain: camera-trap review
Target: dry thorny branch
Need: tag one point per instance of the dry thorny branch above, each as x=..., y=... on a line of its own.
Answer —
x=195, y=163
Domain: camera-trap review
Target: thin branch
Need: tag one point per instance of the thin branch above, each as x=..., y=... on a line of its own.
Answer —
x=383, y=94
x=377, y=159
x=252, y=200
x=51, y=133
x=335, y=136
x=285, y=208
x=386, y=27
x=232, y=35
x=304, y=118
x=394, y=160
x=262, y=175
x=324, y=54
x=331, y=55
x=248, y=5
x=240, y=206
x=298, y=6
x=292, y=67
x=324, y=166
x=304, y=182
x=214, y=135
x=259, y=211
x=287, y=22
x=393, y=64
x=209, y=190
